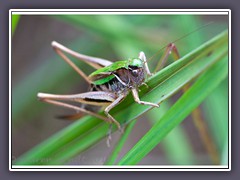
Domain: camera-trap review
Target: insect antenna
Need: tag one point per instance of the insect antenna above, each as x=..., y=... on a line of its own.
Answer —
x=185, y=35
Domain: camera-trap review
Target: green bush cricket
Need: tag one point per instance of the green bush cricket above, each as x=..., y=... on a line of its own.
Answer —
x=109, y=84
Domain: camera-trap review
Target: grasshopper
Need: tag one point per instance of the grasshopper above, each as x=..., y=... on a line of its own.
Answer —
x=109, y=84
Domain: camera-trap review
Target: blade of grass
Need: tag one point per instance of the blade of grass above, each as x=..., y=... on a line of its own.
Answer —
x=177, y=148
x=162, y=85
x=79, y=144
x=176, y=145
x=216, y=111
x=202, y=87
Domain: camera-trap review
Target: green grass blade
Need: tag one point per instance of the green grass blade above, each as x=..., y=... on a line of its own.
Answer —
x=79, y=144
x=176, y=145
x=202, y=87
x=216, y=110
x=161, y=86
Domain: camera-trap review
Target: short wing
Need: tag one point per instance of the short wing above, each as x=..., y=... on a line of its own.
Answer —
x=105, y=74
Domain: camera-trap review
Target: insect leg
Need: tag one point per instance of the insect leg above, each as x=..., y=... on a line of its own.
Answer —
x=144, y=59
x=136, y=98
x=98, y=98
x=112, y=105
x=92, y=61
x=171, y=48
x=76, y=108
x=109, y=135
x=59, y=50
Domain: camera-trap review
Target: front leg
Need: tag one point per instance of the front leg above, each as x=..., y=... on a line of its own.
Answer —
x=136, y=98
x=144, y=59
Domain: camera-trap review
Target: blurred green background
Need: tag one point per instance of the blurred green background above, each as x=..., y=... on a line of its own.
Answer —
x=36, y=68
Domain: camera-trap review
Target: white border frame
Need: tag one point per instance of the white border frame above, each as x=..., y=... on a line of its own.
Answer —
x=110, y=12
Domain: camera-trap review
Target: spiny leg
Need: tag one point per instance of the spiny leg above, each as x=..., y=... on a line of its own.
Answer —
x=171, y=48
x=109, y=135
x=76, y=108
x=60, y=51
x=136, y=98
x=98, y=98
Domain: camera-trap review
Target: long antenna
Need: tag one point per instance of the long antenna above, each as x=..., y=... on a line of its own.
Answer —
x=185, y=35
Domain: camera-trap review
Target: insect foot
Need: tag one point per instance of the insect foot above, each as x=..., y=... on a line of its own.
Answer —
x=108, y=141
x=155, y=105
x=115, y=122
x=148, y=103
x=109, y=135
x=145, y=84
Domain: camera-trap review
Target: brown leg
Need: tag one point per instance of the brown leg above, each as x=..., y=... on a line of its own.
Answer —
x=76, y=108
x=136, y=98
x=171, y=48
x=66, y=59
x=98, y=98
x=92, y=61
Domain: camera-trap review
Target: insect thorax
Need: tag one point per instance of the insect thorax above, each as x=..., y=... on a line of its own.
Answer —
x=123, y=80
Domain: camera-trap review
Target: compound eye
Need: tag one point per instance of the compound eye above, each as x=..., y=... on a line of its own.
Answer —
x=135, y=72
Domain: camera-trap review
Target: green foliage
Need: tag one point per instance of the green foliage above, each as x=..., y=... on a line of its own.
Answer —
x=176, y=144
